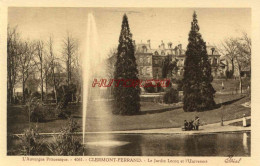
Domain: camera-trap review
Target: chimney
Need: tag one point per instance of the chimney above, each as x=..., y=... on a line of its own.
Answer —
x=212, y=49
x=170, y=45
x=180, y=46
x=149, y=43
x=176, y=50
x=162, y=45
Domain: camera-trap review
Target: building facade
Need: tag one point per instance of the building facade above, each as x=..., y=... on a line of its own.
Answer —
x=150, y=61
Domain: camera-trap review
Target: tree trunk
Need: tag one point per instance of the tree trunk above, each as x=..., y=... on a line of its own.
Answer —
x=10, y=93
x=240, y=84
x=46, y=87
x=55, y=88
x=41, y=83
x=23, y=91
x=68, y=70
x=233, y=67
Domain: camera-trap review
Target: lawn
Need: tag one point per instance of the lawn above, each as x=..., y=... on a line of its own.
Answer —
x=153, y=115
x=230, y=84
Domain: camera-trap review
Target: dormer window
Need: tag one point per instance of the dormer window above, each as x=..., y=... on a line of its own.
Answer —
x=212, y=50
x=144, y=49
x=163, y=53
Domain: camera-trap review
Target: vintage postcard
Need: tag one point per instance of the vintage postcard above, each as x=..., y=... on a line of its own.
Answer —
x=121, y=84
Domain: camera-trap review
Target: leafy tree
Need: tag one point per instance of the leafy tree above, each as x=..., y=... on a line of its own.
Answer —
x=197, y=88
x=127, y=99
x=238, y=52
x=168, y=66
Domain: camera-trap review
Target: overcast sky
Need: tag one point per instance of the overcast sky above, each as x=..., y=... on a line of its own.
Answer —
x=156, y=24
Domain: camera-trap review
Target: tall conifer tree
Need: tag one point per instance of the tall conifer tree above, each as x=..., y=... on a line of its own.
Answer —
x=127, y=99
x=197, y=88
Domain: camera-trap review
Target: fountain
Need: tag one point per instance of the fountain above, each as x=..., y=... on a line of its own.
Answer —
x=90, y=59
x=93, y=67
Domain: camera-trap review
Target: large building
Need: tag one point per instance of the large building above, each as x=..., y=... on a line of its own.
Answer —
x=150, y=60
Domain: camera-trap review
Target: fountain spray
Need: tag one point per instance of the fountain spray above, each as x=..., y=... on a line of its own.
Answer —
x=90, y=60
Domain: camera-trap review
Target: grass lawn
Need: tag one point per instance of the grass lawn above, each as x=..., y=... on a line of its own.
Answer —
x=153, y=115
x=240, y=123
x=230, y=84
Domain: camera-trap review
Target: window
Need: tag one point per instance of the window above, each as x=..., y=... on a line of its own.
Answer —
x=144, y=49
x=210, y=61
x=163, y=53
x=215, y=61
x=144, y=71
x=141, y=70
x=156, y=62
x=148, y=60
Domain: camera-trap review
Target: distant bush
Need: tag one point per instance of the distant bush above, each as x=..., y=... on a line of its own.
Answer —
x=65, y=93
x=36, y=95
x=63, y=113
x=66, y=144
x=159, y=87
x=37, y=111
x=151, y=88
x=171, y=96
x=179, y=84
x=31, y=143
x=229, y=74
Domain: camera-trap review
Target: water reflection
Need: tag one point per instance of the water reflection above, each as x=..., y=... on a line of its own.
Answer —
x=245, y=142
x=221, y=144
x=123, y=145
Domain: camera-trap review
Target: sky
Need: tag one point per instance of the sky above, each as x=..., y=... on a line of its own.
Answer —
x=155, y=24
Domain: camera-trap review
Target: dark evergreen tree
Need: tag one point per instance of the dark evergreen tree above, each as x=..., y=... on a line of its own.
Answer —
x=197, y=89
x=127, y=99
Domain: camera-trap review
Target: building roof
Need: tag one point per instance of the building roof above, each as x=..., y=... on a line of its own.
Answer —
x=212, y=50
x=164, y=50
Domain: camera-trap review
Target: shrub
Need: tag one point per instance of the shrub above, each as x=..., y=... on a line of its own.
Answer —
x=63, y=113
x=179, y=84
x=151, y=88
x=66, y=144
x=37, y=111
x=159, y=87
x=36, y=95
x=32, y=143
x=171, y=96
x=229, y=74
x=65, y=94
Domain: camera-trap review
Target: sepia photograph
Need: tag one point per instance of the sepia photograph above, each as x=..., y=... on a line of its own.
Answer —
x=116, y=81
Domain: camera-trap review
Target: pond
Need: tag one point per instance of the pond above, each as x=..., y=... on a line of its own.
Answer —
x=217, y=144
